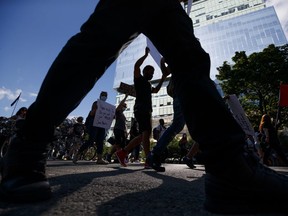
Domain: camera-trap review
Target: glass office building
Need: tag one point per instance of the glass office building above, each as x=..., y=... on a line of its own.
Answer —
x=251, y=32
x=223, y=27
x=206, y=12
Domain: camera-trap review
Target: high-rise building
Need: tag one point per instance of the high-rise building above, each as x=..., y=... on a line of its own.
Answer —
x=206, y=12
x=223, y=27
x=230, y=26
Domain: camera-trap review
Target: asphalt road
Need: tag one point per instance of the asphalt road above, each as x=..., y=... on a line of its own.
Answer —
x=111, y=190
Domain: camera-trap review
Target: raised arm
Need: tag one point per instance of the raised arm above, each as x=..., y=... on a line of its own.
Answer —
x=165, y=72
x=120, y=105
x=139, y=62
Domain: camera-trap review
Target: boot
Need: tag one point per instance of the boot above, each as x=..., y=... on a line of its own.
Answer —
x=154, y=161
x=22, y=171
x=245, y=186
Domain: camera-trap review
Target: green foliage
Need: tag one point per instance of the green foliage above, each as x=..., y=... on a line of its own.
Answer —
x=173, y=147
x=255, y=80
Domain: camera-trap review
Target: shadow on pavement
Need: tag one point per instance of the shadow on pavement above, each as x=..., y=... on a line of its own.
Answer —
x=62, y=187
x=119, y=191
x=173, y=197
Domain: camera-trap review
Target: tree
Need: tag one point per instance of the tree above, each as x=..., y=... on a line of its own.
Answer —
x=255, y=79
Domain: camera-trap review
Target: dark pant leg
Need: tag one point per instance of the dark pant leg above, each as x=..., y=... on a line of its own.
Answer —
x=101, y=134
x=175, y=128
x=208, y=119
x=120, y=137
x=92, y=132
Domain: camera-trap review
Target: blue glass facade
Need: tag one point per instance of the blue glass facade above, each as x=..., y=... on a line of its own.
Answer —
x=251, y=32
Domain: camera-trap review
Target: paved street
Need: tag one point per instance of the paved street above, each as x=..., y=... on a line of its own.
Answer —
x=104, y=190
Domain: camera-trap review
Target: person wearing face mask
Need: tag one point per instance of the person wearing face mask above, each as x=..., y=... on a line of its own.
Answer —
x=96, y=134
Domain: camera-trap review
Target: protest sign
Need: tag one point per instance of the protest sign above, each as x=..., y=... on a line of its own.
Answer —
x=127, y=89
x=240, y=115
x=104, y=114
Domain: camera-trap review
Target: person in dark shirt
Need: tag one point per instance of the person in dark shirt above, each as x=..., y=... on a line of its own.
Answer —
x=183, y=146
x=159, y=130
x=79, y=127
x=76, y=137
x=270, y=140
x=143, y=106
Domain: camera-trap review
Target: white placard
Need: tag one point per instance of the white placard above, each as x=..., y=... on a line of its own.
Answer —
x=240, y=115
x=104, y=114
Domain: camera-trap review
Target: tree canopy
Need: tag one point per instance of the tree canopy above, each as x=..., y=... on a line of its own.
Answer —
x=255, y=80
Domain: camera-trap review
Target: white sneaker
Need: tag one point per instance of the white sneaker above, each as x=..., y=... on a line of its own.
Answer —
x=101, y=161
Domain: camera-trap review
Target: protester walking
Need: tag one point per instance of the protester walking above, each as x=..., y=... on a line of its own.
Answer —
x=142, y=107
x=270, y=140
x=159, y=130
x=95, y=134
x=155, y=157
x=120, y=129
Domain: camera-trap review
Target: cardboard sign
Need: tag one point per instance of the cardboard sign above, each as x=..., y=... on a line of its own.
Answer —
x=240, y=115
x=104, y=114
x=127, y=89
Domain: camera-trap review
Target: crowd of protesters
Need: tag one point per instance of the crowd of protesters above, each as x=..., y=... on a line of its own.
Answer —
x=72, y=134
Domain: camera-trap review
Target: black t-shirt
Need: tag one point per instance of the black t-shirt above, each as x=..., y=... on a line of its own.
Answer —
x=89, y=121
x=143, y=100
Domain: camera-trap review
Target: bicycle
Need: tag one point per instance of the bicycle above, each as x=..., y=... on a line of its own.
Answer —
x=89, y=153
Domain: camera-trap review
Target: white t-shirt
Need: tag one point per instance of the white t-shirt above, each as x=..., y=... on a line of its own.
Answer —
x=161, y=129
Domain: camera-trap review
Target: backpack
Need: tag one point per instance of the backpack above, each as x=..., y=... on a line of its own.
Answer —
x=156, y=133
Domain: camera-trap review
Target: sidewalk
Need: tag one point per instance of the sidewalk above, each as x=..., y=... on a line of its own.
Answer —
x=110, y=190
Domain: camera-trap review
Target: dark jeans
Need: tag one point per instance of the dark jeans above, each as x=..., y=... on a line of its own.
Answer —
x=176, y=127
x=113, y=25
x=96, y=135
x=120, y=138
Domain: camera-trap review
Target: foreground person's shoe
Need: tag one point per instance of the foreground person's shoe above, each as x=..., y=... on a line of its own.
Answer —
x=154, y=162
x=250, y=187
x=23, y=176
x=30, y=188
x=189, y=162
